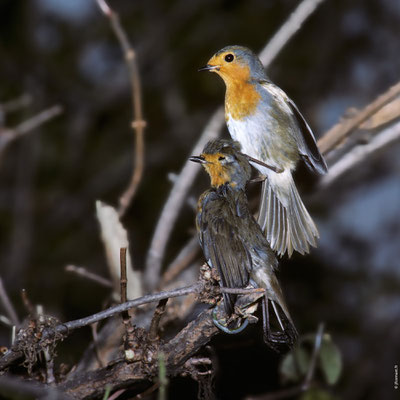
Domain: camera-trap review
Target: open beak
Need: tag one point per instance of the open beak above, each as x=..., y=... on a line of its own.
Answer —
x=209, y=67
x=198, y=159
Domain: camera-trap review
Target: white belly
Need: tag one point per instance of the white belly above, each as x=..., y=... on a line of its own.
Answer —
x=246, y=134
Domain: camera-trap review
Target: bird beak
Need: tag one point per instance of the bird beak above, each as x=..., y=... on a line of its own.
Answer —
x=209, y=67
x=198, y=159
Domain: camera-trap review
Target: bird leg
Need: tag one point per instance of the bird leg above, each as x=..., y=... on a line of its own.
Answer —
x=271, y=167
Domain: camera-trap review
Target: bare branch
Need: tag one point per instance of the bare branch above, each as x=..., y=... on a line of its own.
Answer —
x=359, y=153
x=138, y=124
x=287, y=30
x=314, y=356
x=344, y=128
x=188, y=174
x=67, y=327
x=8, y=306
x=16, y=104
x=88, y=275
x=158, y=313
x=182, y=260
x=123, y=277
x=121, y=374
x=9, y=135
x=119, y=308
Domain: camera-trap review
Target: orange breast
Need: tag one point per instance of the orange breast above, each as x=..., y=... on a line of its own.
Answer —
x=241, y=100
x=241, y=97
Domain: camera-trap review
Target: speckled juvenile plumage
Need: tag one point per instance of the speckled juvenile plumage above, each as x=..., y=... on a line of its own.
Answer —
x=270, y=128
x=232, y=240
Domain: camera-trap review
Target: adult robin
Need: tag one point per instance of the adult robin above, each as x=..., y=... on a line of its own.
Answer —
x=233, y=242
x=270, y=128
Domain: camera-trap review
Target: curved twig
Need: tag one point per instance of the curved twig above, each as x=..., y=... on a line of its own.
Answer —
x=138, y=124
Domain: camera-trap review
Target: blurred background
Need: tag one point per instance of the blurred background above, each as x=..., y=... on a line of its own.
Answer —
x=64, y=52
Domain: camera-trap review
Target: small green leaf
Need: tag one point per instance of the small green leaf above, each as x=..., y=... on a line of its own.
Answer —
x=330, y=360
x=294, y=365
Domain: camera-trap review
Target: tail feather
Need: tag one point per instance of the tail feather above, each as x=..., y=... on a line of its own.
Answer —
x=308, y=229
x=283, y=217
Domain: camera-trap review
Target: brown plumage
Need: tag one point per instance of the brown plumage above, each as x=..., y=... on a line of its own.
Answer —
x=233, y=242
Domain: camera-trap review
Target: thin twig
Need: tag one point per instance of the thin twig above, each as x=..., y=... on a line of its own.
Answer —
x=241, y=290
x=181, y=186
x=119, y=308
x=359, y=153
x=182, y=260
x=138, y=124
x=16, y=104
x=287, y=30
x=88, y=275
x=123, y=278
x=344, y=128
x=314, y=356
x=8, y=306
x=126, y=319
x=272, y=168
x=67, y=327
x=158, y=313
x=177, y=351
x=27, y=303
x=93, y=328
x=9, y=135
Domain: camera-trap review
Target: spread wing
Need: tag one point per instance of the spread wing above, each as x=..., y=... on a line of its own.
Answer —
x=305, y=139
x=223, y=245
x=303, y=136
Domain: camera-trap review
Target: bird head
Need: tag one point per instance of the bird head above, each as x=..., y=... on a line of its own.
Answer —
x=224, y=163
x=236, y=63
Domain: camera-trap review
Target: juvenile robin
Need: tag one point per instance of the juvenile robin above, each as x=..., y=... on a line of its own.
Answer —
x=270, y=128
x=233, y=242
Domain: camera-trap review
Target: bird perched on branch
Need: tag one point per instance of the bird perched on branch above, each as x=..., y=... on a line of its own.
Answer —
x=233, y=242
x=271, y=129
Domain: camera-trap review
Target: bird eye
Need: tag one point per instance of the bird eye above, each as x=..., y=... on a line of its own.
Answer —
x=229, y=57
x=221, y=158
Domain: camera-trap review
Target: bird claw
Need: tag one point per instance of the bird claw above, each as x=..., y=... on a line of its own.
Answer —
x=222, y=324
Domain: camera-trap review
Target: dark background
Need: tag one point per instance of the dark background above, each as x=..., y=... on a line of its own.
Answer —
x=64, y=52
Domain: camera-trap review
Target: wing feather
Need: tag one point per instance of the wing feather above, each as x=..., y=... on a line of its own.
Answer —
x=305, y=139
x=223, y=245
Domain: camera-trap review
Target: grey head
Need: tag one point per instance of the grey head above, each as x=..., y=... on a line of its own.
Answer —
x=247, y=56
